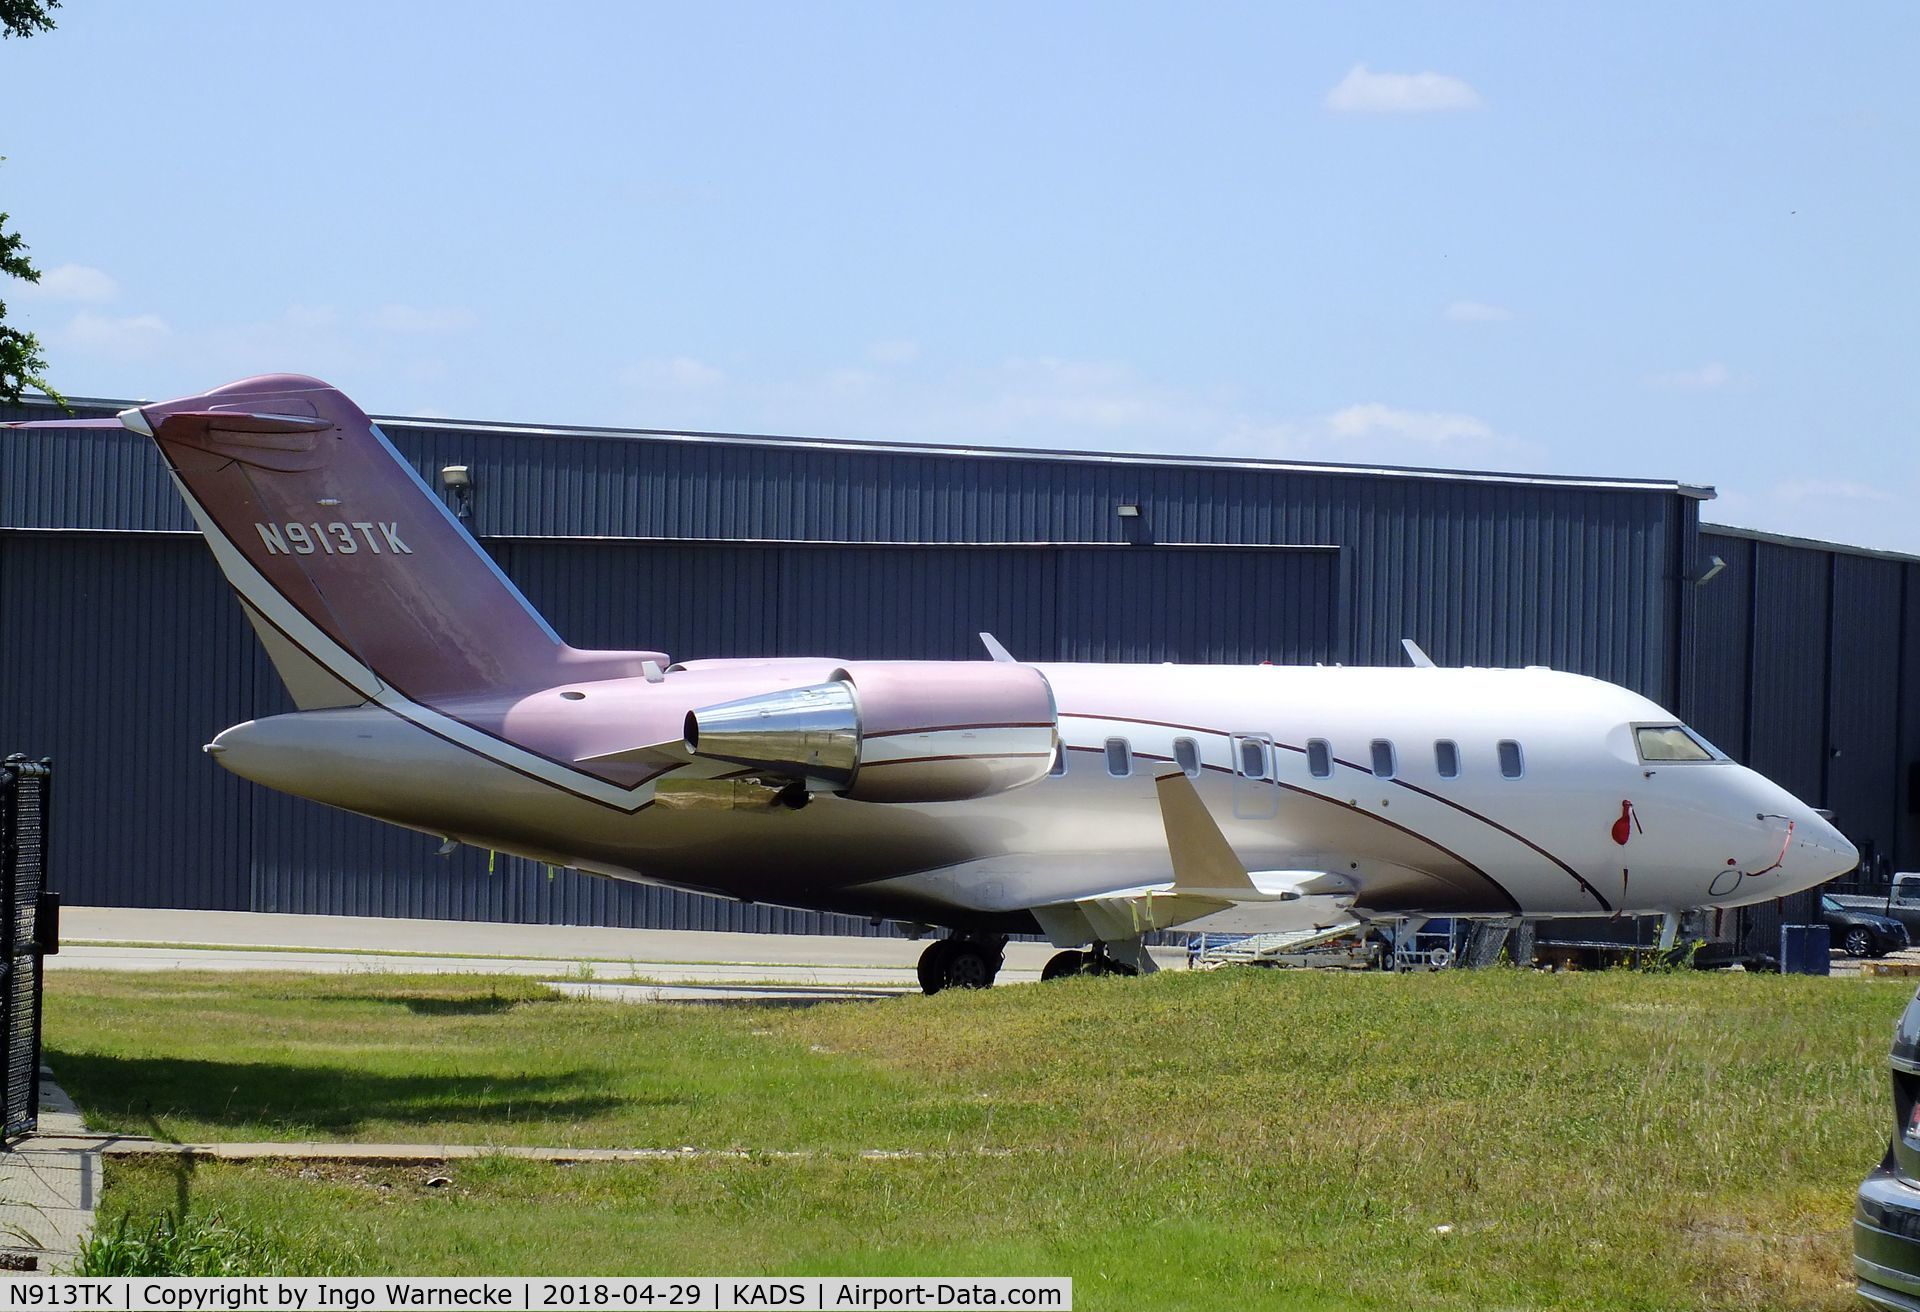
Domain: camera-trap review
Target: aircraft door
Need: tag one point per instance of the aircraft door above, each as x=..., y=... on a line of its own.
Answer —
x=1255, y=795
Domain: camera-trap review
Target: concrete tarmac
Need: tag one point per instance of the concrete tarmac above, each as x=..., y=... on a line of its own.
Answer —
x=645, y=964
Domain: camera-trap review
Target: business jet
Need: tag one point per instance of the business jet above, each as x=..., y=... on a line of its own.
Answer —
x=1094, y=804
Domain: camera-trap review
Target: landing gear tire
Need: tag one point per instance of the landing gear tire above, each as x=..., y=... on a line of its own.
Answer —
x=1096, y=962
x=1062, y=964
x=1859, y=942
x=958, y=963
x=932, y=969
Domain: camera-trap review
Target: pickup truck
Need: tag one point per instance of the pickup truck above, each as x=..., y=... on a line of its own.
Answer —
x=1901, y=901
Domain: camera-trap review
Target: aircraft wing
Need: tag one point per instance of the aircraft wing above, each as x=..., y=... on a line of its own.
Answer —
x=655, y=755
x=1116, y=917
x=1211, y=888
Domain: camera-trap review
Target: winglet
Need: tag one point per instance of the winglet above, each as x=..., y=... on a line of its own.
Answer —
x=996, y=650
x=1203, y=860
x=1414, y=654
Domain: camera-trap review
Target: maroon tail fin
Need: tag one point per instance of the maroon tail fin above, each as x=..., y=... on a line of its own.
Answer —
x=358, y=578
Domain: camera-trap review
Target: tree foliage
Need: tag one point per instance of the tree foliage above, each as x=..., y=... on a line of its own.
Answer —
x=21, y=364
x=25, y=17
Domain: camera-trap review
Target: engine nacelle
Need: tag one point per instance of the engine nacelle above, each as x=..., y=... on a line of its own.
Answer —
x=933, y=731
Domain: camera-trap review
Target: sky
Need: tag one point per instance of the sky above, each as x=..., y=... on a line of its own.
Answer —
x=1646, y=240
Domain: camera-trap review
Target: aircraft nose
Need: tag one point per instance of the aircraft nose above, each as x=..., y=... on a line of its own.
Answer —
x=1831, y=850
x=1816, y=853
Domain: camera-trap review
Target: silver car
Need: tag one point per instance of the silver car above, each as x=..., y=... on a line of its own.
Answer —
x=1886, y=1213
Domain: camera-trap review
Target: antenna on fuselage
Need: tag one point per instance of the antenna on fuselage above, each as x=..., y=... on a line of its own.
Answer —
x=996, y=650
x=1414, y=654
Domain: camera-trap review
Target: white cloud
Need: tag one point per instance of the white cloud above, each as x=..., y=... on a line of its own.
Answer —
x=1363, y=91
x=1706, y=378
x=312, y=316
x=1425, y=427
x=1817, y=489
x=1046, y=395
x=1371, y=432
x=681, y=373
x=851, y=382
x=1476, y=312
x=1828, y=510
x=1056, y=401
x=131, y=336
x=422, y=318
x=73, y=282
x=894, y=350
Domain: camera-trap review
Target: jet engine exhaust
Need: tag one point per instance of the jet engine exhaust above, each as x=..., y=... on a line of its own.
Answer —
x=812, y=733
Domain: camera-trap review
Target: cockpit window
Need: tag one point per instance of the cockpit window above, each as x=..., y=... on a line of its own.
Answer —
x=1670, y=742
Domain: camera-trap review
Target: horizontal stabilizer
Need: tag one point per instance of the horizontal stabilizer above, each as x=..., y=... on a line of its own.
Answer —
x=240, y=421
x=65, y=423
x=181, y=422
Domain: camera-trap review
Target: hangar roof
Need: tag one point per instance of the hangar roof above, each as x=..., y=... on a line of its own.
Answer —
x=1069, y=454
x=988, y=452
x=1808, y=544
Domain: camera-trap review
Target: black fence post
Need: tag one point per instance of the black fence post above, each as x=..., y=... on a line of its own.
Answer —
x=26, y=814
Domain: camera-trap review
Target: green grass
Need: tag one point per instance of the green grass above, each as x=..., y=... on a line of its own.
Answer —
x=1265, y=1139
x=189, y=1241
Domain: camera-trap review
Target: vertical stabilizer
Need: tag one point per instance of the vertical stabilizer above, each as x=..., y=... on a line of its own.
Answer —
x=359, y=580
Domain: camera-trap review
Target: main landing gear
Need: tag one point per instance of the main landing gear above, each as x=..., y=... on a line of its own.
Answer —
x=1097, y=962
x=961, y=963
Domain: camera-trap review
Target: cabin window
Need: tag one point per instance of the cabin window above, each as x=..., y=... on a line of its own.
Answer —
x=1119, y=758
x=1669, y=742
x=1320, y=758
x=1446, y=758
x=1512, y=763
x=1059, y=760
x=1383, y=761
x=1186, y=754
x=1253, y=758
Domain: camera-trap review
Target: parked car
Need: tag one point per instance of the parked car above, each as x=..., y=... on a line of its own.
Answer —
x=1862, y=933
x=1901, y=900
x=1886, y=1211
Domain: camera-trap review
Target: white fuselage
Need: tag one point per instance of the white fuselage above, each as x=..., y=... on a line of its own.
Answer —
x=1539, y=837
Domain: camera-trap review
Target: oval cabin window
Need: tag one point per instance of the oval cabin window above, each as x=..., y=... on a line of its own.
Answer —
x=1253, y=758
x=1512, y=764
x=1383, y=761
x=1186, y=754
x=1320, y=758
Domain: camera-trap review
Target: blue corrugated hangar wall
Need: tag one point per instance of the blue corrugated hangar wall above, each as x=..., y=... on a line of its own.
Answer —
x=1806, y=665
x=122, y=651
